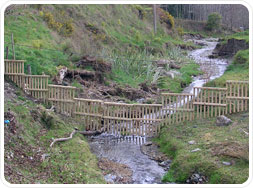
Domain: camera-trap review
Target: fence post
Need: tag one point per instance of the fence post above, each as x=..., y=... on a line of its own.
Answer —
x=7, y=52
x=12, y=44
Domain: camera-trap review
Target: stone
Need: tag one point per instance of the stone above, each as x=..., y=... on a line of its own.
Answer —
x=148, y=144
x=195, y=150
x=191, y=142
x=165, y=164
x=110, y=178
x=226, y=163
x=172, y=73
x=141, y=100
x=223, y=121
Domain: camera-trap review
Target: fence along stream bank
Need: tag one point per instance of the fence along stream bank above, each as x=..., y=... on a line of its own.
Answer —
x=132, y=119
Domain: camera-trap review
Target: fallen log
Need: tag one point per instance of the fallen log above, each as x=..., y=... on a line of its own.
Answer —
x=85, y=133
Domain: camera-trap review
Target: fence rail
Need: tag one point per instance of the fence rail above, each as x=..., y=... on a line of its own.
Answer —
x=133, y=119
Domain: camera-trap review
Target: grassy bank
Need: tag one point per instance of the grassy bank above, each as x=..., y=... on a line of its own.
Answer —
x=217, y=144
x=66, y=162
x=125, y=38
x=237, y=70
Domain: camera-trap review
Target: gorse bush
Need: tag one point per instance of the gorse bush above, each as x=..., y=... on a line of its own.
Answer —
x=180, y=31
x=65, y=28
x=166, y=17
x=213, y=21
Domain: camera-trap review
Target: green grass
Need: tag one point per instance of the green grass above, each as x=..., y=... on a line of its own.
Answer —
x=68, y=162
x=243, y=35
x=212, y=141
x=177, y=84
x=122, y=33
x=237, y=70
x=29, y=30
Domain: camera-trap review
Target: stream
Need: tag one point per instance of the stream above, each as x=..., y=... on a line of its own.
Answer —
x=126, y=149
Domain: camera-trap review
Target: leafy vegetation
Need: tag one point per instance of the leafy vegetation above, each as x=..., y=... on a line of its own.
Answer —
x=213, y=21
x=217, y=144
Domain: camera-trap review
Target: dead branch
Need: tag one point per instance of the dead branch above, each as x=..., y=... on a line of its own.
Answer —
x=63, y=139
x=86, y=133
x=245, y=132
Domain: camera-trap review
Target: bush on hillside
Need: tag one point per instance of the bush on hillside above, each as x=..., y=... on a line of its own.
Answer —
x=180, y=31
x=213, y=21
x=65, y=28
x=166, y=17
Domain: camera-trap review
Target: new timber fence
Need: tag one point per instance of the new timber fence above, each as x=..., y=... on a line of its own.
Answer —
x=132, y=119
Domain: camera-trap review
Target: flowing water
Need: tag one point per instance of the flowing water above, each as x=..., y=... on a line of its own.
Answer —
x=126, y=150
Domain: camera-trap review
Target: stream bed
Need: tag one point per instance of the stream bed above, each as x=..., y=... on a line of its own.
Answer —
x=127, y=149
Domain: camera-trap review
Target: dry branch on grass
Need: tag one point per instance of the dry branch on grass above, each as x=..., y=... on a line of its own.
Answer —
x=85, y=133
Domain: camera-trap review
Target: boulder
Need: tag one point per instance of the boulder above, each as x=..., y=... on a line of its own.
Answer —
x=223, y=121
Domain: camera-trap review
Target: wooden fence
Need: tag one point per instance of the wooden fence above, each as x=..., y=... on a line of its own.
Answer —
x=62, y=97
x=237, y=96
x=209, y=102
x=36, y=86
x=14, y=70
x=133, y=119
x=177, y=107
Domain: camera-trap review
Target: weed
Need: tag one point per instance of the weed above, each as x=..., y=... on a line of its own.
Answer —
x=47, y=120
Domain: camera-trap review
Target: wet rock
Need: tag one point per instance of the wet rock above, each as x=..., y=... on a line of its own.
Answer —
x=110, y=178
x=195, y=150
x=191, y=142
x=196, y=178
x=226, y=163
x=153, y=152
x=165, y=164
x=223, y=121
x=148, y=144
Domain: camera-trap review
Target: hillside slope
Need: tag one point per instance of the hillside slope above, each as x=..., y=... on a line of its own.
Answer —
x=27, y=155
x=50, y=37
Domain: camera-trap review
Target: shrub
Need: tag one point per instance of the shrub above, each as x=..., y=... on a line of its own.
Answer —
x=47, y=120
x=213, y=21
x=180, y=31
x=65, y=28
x=141, y=11
x=37, y=44
x=166, y=17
